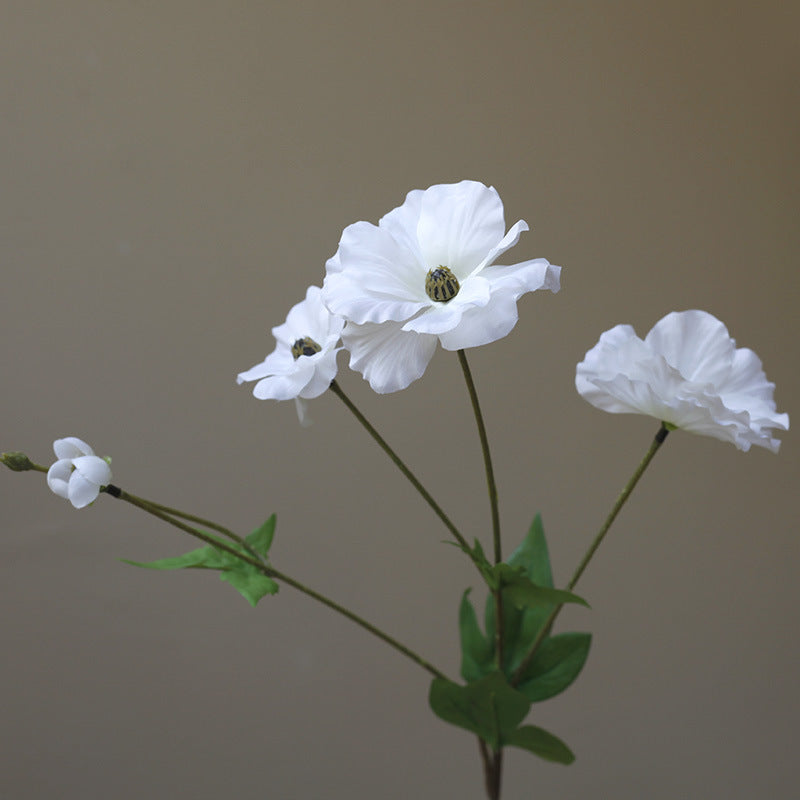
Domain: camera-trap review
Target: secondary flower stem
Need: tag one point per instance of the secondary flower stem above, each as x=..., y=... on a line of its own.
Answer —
x=487, y=456
x=620, y=501
x=492, y=486
x=338, y=391
x=157, y=511
x=206, y=523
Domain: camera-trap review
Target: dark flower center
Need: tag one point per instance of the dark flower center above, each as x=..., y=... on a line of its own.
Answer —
x=305, y=347
x=441, y=285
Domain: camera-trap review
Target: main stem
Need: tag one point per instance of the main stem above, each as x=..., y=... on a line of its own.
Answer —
x=492, y=762
x=157, y=511
x=612, y=515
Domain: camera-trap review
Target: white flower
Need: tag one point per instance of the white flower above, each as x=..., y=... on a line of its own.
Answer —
x=79, y=474
x=303, y=363
x=687, y=372
x=426, y=274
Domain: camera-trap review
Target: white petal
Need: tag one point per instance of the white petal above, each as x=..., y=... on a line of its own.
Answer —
x=324, y=372
x=481, y=326
x=439, y=318
x=288, y=386
x=686, y=372
x=82, y=491
x=93, y=469
x=402, y=223
x=527, y=276
x=695, y=343
x=58, y=477
x=506, y=243
x=388, y=357
x=71, y=447
x=459, y=225
x=350, y=299
x=302, y=412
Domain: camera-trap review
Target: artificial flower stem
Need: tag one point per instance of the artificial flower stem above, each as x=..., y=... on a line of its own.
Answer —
x=620, y=501
x=271, y=572
x=487, y=456
x=206, y=523
x=337, y=390
x=492, y=487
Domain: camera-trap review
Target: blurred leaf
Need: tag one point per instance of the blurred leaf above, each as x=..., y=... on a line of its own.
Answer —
x=557, y=663
x=523, y=593
x=543, y=744
x=477, y=653
x=489, y=707
x=261, y=538
x=249, y=582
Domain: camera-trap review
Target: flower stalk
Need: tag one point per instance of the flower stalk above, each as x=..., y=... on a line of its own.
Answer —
x=658, y=440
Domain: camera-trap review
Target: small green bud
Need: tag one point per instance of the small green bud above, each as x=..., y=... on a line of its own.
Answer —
x=19, y=462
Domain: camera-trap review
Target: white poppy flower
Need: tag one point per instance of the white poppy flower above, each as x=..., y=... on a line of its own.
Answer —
x=688, y=373
x=303, y=363
x=79, y=474
x=425, y=274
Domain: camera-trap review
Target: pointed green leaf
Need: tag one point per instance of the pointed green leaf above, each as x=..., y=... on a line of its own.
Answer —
x=489, y=707
x=208, y=557
x=246, y=578
x=249, y=582
x=542, y=743
x=477, y=654
x=261, y=538
x=532, y=555
x=557, y=663
x=524, y=593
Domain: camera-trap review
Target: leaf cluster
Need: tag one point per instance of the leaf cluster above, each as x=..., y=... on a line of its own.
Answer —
x=492, y=704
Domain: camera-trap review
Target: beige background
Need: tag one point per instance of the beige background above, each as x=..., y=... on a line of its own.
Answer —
x=174, y=174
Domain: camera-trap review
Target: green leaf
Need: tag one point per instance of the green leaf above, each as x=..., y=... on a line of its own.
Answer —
x=523, y=593
x=246, y=578
x=489, y=707
x=249, y=582
x=543, y=744
x=557, y=663
x=477, y=653
x=208, y=557
x=261, y=538
x=532, y=555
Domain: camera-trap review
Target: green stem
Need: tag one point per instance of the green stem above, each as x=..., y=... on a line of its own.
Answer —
x=426, y=495
x=271, y=572
x=487, y=456
x=492, y=487
x=620, y=501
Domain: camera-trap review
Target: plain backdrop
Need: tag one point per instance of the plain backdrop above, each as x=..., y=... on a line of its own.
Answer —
x=174, y=175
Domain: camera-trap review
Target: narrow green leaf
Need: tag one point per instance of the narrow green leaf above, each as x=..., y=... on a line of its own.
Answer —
x=208, y=557
x=477, y=654
x=543, y=744
x=249, y=582
x=489, y=707
x=557, y=663
x=261, y=538
x=524, y=593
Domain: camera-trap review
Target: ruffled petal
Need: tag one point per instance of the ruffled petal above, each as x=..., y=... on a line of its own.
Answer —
x=386, y=355
x=686, y=372
x=459, y=225
x=439, y=318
